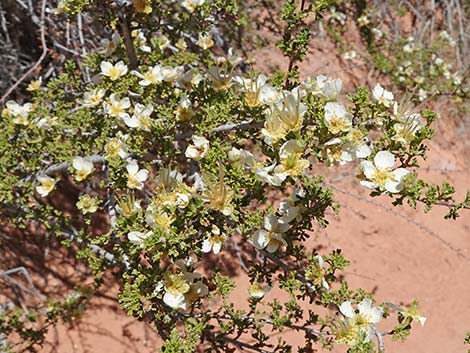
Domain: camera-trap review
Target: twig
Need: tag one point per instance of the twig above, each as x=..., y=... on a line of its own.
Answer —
x=38, y=62
x=243, y=345
x=380, y=340
x=126, y=35
x=82, y=43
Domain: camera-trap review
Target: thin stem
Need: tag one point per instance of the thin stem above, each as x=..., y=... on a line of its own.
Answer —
x=38, y=62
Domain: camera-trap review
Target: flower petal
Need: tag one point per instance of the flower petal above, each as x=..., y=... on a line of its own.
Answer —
x=384, y=160
x=346, y=309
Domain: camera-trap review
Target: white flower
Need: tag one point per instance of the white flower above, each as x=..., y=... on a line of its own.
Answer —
x=337, y=118
x=257, y=292
x=117, y=107
x=136, y=177
x=382, y=96
x=242, y=156
x=362, y=322
x=350, y=55
x=116, y=148
x=94, y=97
x=83, y=167
x=257, y=91
x=410, y=312
x=288, y=210
x=138, y=237
x=171, y=74
x=274, y=180
x=181, y=289
x=113, y=71
x=111, y=45
x=284, y=116
x=355, y=146
x=141, y=41
x=47, y=184
x=152, y=76
x=381, y=173
x=205, y=41
x=315, y=273
x=214, y=241
x=88, y=204
x=199, y=150
x=19, y=112
x=271, y=237
x=141, y=118
x=191, y=5
x=34, y=85
x=290, y=161
x=363, y=21
x=329, y=87
x=377, y=33
x=46, y=122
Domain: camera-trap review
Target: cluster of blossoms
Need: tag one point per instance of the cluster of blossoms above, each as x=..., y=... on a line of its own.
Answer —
x=153, y=196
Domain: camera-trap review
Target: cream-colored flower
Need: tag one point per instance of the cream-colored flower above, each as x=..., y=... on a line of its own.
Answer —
x=141, y=40
x=113, y=71
x=94, y=97
x=135, y=176
x=171, y=74
x=184, y=111
x=337, y=118
x=355, y=146
x=214, y=241
x=110, y=46
x=115, y=147
x=88, y=204
x=361, y=322
x=199, y=149
x=263, y=173
x=410, y=312
x=220, y=78
x=257, y=91
x=205, y=41
x=382, y=96
x=34, y=85
x=315, y=273
x=257, y=292
x=163, y=42
x=381, y=174
x=290, y=159
x=127, y=205
x=116, y=107
x=274, y=129
x=83, y=167
x=242, y=156
x=333, y=150
x=271, y=237
x=20, y=113
x=141, y=118
x=283, y=117
x=363, y=21
x=329, y=87
x=153, y=76
x=182, y=289
x=217, y=195
x=47, y=184
x=138, y=237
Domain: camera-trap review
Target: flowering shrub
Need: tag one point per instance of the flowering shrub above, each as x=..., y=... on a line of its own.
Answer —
x=181, y=149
